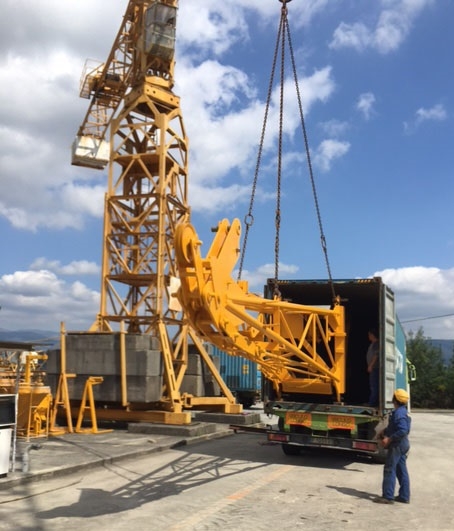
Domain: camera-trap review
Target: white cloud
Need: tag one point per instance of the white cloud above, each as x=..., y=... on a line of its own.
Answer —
x=40, y=300
x=392, y=27
x=42, y=64
x=423, y=292
x=79, y=267
x=215, y=27
x=35, y=154
x=437, y=113
x=214, y=199
x=334, y=128
x=29, y=283
x=225, y=117
x=328, y=151
x=356, y=36
x=257, y=278
x=365, y=104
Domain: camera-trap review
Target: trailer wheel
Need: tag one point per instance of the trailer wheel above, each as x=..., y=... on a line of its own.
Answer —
x=290, y=449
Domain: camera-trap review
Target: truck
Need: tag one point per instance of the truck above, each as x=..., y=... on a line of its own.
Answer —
x=312, y=420
x=309, y=339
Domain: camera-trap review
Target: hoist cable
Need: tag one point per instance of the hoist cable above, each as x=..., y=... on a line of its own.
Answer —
x=249, y=218
x=283, y=33
x=309, y=164
x=279, y=154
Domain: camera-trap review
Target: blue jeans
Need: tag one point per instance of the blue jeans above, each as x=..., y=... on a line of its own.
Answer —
x=396, y=467
x=374, y=387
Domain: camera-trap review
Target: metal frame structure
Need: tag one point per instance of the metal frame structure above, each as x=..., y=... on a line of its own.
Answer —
x=300, y=349
x=147, y=194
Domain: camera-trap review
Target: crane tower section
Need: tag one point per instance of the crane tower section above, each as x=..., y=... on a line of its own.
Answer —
x=134, y=124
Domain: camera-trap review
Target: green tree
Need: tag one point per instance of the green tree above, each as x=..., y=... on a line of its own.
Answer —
x=450, y=382
x=430, y=390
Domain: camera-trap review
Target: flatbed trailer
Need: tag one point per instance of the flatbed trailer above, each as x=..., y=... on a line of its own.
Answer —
x=351, y=428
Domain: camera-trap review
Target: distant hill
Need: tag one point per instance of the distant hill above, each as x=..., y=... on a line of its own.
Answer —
x=43, y=339
x=445, y=345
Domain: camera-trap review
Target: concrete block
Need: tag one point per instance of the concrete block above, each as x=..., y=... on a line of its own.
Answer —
x=193, y=385
x=194, y=367
x=52, y=364
x=89, y=354
x=141, y=389
x=212, y=389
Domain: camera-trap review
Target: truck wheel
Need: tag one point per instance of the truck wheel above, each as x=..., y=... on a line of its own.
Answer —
x=290, y=449
x=380, y=456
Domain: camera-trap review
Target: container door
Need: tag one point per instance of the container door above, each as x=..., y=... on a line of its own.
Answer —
x=388, y=339
x=401, y=358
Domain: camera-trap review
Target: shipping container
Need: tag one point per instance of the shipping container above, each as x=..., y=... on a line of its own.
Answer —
x=240, y=375
x=351, y=424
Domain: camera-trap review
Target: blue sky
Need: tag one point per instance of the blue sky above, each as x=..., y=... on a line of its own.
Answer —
x=377, y=85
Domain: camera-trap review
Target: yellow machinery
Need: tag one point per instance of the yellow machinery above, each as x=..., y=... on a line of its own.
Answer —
x=21, y=374
x=131, y=100
x=301, y=349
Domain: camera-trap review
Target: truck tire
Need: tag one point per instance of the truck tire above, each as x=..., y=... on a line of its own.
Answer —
x=380, y=456
x=290, y=449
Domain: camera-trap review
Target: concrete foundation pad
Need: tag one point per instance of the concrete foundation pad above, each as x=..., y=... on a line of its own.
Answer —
x=193, y=430
x=223, y=418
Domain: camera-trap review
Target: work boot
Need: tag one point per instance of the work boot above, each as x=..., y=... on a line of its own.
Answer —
x=380, y=499
x=401, y=500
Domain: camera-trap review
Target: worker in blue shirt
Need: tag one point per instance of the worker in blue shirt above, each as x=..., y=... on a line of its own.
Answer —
x=395, y=439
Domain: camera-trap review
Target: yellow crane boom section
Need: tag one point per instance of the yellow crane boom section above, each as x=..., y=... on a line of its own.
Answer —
x=301, y=349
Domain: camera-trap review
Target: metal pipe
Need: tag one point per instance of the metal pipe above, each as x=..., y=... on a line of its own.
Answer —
x=26, y=455
x=124, y=390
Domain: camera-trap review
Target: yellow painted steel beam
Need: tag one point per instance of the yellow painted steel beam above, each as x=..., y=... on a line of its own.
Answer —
x=89, y=396
x=126, y=415
x=301, y=345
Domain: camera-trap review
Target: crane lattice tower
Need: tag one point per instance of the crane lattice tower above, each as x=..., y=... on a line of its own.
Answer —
x=147, y=157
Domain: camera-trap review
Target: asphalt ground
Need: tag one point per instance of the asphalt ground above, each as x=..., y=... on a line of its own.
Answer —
x=242, y=483
x=41, y=458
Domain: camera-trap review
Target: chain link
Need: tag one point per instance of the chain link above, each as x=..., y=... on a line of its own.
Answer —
x=249, y=218
x=283, y=33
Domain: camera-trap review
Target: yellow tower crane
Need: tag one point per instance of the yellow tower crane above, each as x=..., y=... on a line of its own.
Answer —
x=134, y=125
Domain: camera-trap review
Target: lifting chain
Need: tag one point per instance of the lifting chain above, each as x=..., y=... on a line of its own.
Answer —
x=282, y=36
